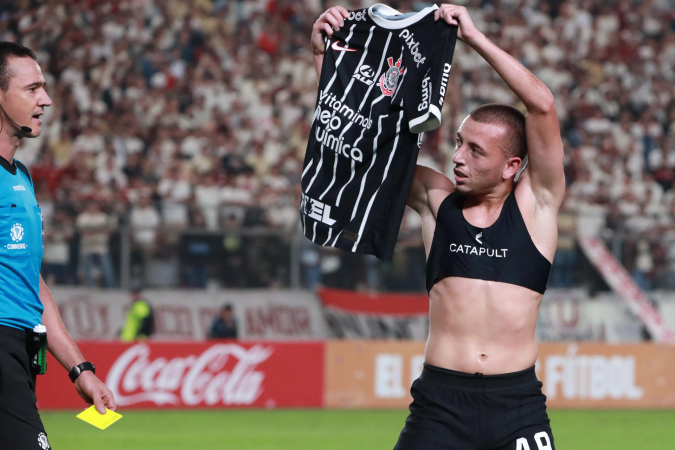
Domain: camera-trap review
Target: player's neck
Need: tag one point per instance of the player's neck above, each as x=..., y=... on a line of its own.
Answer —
x=489, y=200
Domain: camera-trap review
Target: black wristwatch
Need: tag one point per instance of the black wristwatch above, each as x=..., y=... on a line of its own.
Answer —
x=78, y=369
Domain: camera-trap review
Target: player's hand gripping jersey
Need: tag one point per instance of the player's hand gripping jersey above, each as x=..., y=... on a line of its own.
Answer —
x=383, y=82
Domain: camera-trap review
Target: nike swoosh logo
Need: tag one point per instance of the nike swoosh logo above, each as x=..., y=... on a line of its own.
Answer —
x=335, y=46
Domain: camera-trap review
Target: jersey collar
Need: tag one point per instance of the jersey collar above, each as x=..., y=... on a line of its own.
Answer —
x=396, y=24
x=11, y=168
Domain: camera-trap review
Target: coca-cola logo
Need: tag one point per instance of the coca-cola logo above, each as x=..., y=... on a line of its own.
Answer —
x=223, y=373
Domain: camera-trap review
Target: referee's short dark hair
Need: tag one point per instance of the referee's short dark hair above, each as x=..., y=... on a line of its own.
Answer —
x=8, y=50
x=511, y=119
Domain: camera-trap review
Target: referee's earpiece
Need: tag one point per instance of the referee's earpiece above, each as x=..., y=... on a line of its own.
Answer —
x=23, y=128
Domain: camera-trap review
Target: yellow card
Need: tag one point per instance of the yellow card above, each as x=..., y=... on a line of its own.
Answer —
x=102, y=421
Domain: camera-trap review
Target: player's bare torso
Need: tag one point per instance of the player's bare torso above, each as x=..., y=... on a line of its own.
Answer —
x=486, y=326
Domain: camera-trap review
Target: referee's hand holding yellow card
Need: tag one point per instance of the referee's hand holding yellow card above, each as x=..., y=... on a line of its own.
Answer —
x=102, y=421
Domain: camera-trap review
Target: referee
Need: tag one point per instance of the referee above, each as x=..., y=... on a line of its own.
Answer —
x=25, y=300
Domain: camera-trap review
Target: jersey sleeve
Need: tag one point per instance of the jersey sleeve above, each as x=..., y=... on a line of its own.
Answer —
x=426, y=93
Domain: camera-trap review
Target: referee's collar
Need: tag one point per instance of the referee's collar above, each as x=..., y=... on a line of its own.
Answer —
x=11, y=168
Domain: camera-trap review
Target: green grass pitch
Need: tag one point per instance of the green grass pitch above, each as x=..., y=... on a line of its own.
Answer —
x=332, y=430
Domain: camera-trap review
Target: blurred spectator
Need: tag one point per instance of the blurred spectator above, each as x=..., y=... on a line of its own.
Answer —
x=644, y=265
x=144, y=223
x=207, y=197
x=56, y=258
x=311, y=266
x=94, y=226
x=564, y=262
x=139, y=322
x=225, y=325
x=90, y=141
x=175, y=190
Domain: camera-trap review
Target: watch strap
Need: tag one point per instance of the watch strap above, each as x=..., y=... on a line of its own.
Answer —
x=78, y=369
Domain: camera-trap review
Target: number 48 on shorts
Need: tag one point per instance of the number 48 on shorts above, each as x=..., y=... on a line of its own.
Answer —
x=541, y=440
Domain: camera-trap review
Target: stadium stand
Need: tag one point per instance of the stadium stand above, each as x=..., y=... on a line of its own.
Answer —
x=181, y=119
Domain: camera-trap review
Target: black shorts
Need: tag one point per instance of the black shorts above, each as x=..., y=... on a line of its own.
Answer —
x=460, y=411
x=20, y=424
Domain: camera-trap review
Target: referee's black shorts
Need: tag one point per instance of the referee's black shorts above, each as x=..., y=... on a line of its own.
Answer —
x=20, y=424
x=460, y=411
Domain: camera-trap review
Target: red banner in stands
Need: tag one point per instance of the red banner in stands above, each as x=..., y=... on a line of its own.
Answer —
x=357, y=302
x=355, y=315
x=214, y=374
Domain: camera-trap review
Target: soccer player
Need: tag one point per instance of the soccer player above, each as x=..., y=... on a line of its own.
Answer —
x=25, y=300
x=489, y=241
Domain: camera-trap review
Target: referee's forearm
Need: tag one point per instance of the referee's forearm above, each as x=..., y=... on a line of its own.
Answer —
x=59, y=342
x=531, y=90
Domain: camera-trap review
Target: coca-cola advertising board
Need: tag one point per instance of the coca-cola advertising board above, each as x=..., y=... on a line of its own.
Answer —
x=215, y=374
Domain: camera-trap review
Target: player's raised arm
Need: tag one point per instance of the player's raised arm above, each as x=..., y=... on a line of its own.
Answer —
x=545, y=151
x=428, y=191
x=331, y=20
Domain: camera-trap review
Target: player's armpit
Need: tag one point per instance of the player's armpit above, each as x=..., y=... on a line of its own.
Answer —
x=429, y=189
x=545, y=167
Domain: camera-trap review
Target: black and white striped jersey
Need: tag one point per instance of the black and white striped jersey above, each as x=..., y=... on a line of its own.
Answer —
x=382, y=84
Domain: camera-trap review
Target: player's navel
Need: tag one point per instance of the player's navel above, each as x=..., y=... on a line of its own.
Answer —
x=482, y=357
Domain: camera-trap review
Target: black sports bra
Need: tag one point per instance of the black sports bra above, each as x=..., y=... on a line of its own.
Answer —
x=502, y=252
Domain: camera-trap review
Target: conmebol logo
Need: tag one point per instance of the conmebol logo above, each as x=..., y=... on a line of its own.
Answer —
x=192, y=380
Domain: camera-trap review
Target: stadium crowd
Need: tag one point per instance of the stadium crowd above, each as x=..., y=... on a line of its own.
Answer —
x=171, y=115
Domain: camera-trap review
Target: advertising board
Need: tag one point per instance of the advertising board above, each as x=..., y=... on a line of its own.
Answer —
x=375, y=374
x=217, y=374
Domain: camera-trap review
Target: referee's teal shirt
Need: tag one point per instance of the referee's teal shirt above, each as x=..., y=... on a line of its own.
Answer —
x=21, y=246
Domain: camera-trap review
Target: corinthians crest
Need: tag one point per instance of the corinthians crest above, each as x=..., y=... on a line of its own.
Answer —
x=389, y=80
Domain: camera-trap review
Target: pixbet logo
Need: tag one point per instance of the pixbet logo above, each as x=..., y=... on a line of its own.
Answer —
x=357, y=15
x=193, y=380
x=413, y=46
